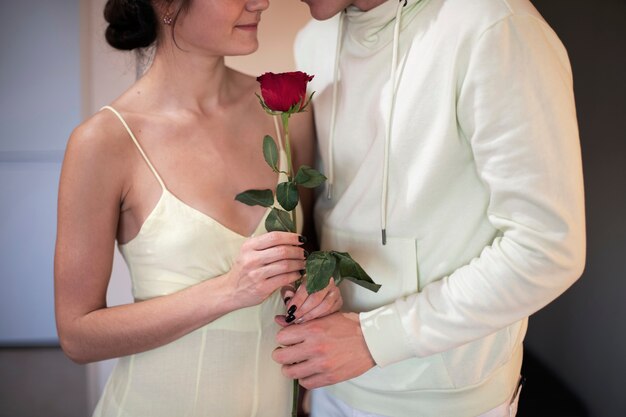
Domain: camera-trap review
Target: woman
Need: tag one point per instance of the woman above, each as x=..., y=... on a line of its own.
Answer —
x=158, y=171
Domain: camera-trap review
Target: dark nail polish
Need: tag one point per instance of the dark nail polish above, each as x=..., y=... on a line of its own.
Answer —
x=287, y=300
x=290, y=318
x=302, y=272
x=292, y=310
x=306, y=254
x=302, y=239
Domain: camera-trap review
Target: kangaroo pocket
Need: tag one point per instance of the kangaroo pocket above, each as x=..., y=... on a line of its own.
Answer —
x=396, y=267
x=393, y=266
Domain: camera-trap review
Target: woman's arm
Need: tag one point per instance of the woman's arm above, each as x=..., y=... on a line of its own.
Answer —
x=91, y=191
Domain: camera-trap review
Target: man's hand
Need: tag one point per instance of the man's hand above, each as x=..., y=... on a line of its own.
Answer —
x=324, y=351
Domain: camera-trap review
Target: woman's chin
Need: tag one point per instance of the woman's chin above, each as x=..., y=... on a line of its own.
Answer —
x=245, y=49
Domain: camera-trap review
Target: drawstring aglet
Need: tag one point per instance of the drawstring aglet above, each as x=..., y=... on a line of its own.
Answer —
x=329, y=191
x=384, y=231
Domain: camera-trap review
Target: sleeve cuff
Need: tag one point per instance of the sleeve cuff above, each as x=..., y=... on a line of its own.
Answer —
x=384, y=335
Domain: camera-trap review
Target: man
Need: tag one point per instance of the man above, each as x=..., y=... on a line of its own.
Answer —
x=450, y=125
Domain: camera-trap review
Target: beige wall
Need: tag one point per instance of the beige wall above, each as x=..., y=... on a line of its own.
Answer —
x=106, y=73
x=279, y=25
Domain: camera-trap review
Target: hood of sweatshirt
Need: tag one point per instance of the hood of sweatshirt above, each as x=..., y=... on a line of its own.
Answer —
x=369, y=31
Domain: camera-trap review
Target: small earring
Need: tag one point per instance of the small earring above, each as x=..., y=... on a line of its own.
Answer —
x=167, y=19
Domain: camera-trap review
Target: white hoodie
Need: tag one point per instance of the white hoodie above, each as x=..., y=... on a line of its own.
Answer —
x=484, y=210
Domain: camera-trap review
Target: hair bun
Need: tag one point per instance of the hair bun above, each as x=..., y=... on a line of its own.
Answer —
x=132, y=24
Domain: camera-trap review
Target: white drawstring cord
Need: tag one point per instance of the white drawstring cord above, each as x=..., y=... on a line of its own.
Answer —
x=333, y=111
x=392, y=81
x=331, y=134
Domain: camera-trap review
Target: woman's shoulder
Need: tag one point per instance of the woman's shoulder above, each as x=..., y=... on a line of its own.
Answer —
x=100, y=148
x=107, y=130
x=102, y=133
x=243, y=85
x=244, y=92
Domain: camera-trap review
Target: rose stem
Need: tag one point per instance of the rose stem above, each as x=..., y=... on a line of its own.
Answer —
x=285, y=120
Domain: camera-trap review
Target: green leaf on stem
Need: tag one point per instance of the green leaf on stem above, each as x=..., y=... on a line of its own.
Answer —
x=319, y=268
x=263, y=198
x=309, y=177
x=279, y=221
x=350, y=269
x=337, y=274
x=270, y=152
x=287, y=195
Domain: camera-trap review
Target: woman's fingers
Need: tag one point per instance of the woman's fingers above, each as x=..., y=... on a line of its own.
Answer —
x=278, y=281
x=278, y=253
x=320, y=298
x=296, y=301
x=331, y=303
x=304, y=306
x=265, y=264
x=312, y=301
x=272, y=239
x=271, y=249
x=287, y=293
x=279, y=268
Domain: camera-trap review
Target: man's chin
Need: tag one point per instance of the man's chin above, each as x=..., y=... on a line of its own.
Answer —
x=319, y=11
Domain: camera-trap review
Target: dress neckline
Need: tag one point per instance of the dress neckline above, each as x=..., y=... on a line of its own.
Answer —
x=198, y=214
x=165, y=192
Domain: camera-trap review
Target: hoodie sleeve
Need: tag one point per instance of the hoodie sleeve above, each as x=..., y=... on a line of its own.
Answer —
x=515, y=106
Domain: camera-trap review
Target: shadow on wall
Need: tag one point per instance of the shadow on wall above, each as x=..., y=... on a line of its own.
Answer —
x=544, y=394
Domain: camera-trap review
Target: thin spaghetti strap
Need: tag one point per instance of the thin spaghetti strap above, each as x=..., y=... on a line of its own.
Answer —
x=132, y=136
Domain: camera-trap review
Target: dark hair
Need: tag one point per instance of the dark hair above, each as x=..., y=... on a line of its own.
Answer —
x=134, y=23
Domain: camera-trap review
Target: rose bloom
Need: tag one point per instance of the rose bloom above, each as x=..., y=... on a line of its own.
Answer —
x=285, y=91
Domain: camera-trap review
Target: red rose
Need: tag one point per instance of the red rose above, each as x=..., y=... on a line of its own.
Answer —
x=284, y=92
